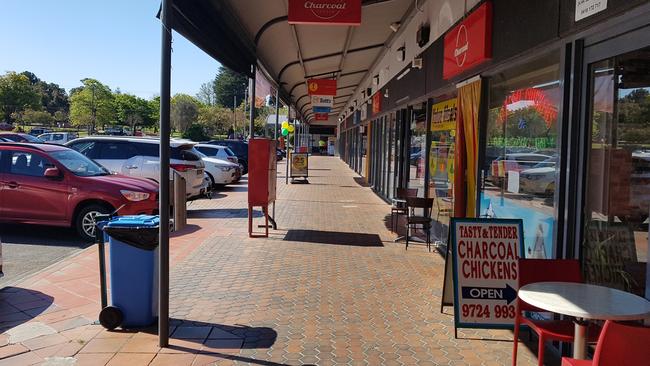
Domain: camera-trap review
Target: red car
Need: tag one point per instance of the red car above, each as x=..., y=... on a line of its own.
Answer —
x=55, y=185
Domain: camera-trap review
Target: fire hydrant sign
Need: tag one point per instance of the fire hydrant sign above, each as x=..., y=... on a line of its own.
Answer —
x=485, y=254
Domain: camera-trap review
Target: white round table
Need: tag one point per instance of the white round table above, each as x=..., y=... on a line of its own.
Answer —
x=584, y=301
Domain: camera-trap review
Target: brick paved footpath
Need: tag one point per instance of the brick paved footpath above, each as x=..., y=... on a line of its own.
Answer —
x=328, y=287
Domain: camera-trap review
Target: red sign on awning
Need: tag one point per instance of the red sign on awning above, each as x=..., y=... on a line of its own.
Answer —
x=328, y=12
x=376, y=102
x=321, y=86
x=469, y=43
x=321, y=116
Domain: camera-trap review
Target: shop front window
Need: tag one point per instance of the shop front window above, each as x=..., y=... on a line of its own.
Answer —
x=521, y=157
x=418, y=149
x=615, y=248
x=441, y=165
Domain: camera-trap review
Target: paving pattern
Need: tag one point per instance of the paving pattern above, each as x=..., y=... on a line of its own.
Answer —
x=328, y=287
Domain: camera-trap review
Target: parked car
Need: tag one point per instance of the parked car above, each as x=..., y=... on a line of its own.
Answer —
x=115, y=131
x=55, y=185
x=58, y=138
x=140, y=157
x=219, y=152
x=240, y=148
x=39, y=131
x=2, y=139
x=219, y=171
x=518, y=162
x=540, y=179
x=20, y=137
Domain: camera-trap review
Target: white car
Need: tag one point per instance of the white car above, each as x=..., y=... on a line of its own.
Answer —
x=58, y=138
x=218, y=151
x=540, y=179
x=140, y=157
x=220, y=171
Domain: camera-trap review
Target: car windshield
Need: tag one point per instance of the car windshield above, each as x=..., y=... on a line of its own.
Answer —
x=197, y=152
x=31, y=138
x=78, y=164
x=550, y=162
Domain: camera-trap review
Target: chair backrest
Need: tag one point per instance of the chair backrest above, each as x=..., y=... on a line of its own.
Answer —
x=402, y=193
x=546, y=270
x=426, y=204
x=623, y=344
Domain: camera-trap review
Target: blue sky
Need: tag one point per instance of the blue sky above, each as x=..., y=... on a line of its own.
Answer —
x=116, y=42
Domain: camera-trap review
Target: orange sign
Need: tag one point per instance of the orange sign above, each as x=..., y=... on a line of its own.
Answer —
x=321, y=86
x=376, y=103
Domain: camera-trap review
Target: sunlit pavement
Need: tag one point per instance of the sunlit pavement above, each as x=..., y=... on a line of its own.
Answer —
x=328, y=287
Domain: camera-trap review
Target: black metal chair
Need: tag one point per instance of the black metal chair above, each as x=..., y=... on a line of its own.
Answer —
x=413, y=220
x=399, y=205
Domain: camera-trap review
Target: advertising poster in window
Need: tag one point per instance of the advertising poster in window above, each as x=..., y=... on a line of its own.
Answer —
x=485, y=271
x=443, y=116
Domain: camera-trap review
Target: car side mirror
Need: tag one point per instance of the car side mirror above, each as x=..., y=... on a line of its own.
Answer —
x=52, y=173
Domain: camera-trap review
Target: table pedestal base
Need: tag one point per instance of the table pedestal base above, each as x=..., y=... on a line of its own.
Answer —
x=580, y=339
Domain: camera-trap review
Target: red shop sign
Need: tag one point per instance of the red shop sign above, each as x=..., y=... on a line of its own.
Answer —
x=376, y=103
x=321, y=86
x=329, y=12
x=469, y=43
x=321, y=116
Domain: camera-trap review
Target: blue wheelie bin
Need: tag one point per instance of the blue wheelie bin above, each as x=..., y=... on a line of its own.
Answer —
x=133, y=267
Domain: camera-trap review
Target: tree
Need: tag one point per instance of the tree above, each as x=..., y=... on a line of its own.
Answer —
x=16, y=95
x=215, y=119
x=184, y=111
x=53, y=97
x=132, y=111
x=228, y=85
x=206, y=94
x=91, y=104
x=36, y=117
x=195, y=132
x=154, y=111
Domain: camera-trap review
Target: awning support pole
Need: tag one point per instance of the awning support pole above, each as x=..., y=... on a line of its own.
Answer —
x=251, y=83
x=163, y=209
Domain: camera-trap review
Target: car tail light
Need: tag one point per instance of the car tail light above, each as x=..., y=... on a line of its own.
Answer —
x=182, y=167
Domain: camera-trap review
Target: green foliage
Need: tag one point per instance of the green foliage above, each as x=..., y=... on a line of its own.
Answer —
x=92, y=104
x=206, y=94
x=53, y=97
x=17, y=94
x=184, y=111
x=228, y=85
x=33, y=117
x=215, y=119
x=195, y=132
x=133, y=111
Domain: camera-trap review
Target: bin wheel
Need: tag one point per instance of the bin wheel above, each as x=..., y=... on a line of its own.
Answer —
x=110, y=317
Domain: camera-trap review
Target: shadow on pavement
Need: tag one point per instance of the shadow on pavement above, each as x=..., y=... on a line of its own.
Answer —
x=221, y=213
x=334, y=238
x=38, y=235
x=19, y=305
x=188, y=229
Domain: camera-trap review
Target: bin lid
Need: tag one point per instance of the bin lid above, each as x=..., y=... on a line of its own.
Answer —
x=139, y=231
x=135, y=221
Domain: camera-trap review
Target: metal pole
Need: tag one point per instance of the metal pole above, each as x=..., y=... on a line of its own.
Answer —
x=275, y=132
x=286, y=173
x=252, y=87
x=163, y=209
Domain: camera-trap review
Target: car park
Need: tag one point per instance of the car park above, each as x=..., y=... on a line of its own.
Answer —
x=220, y=172
x=20, y=137
x=240, y=148
x=58, y=138
x=57, y=186
x=140, y=157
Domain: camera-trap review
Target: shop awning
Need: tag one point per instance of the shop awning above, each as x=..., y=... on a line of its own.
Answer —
x=239, y=32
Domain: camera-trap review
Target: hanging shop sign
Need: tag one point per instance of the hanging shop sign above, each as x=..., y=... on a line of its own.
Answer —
x=469, y=43
x=299, y=165
x=321, y=86
x=484, y=254
x=326, y=101
x=587, y=8
x=364, y=112
x=325, y=12
x=321, y=116
x=376, y=103
x=443, y=115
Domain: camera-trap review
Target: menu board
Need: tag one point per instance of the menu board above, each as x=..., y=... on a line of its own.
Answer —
x=485, y=254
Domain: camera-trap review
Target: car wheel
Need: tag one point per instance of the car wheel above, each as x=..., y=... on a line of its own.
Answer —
x=212, y=185
x=85, y=220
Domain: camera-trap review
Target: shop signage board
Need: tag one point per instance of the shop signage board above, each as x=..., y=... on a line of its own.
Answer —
x=325, y=12
x=609, y=247
x=376, y=103
x=321, y=86
x=587, y=8
x=326, y=101
x=484, y=255
x=299, y=165
x=321, y=116
x=469, y=43
x=443, y=115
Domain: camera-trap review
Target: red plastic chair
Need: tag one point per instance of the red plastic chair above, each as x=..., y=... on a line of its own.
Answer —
x=619, y=344
x=544, y=270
